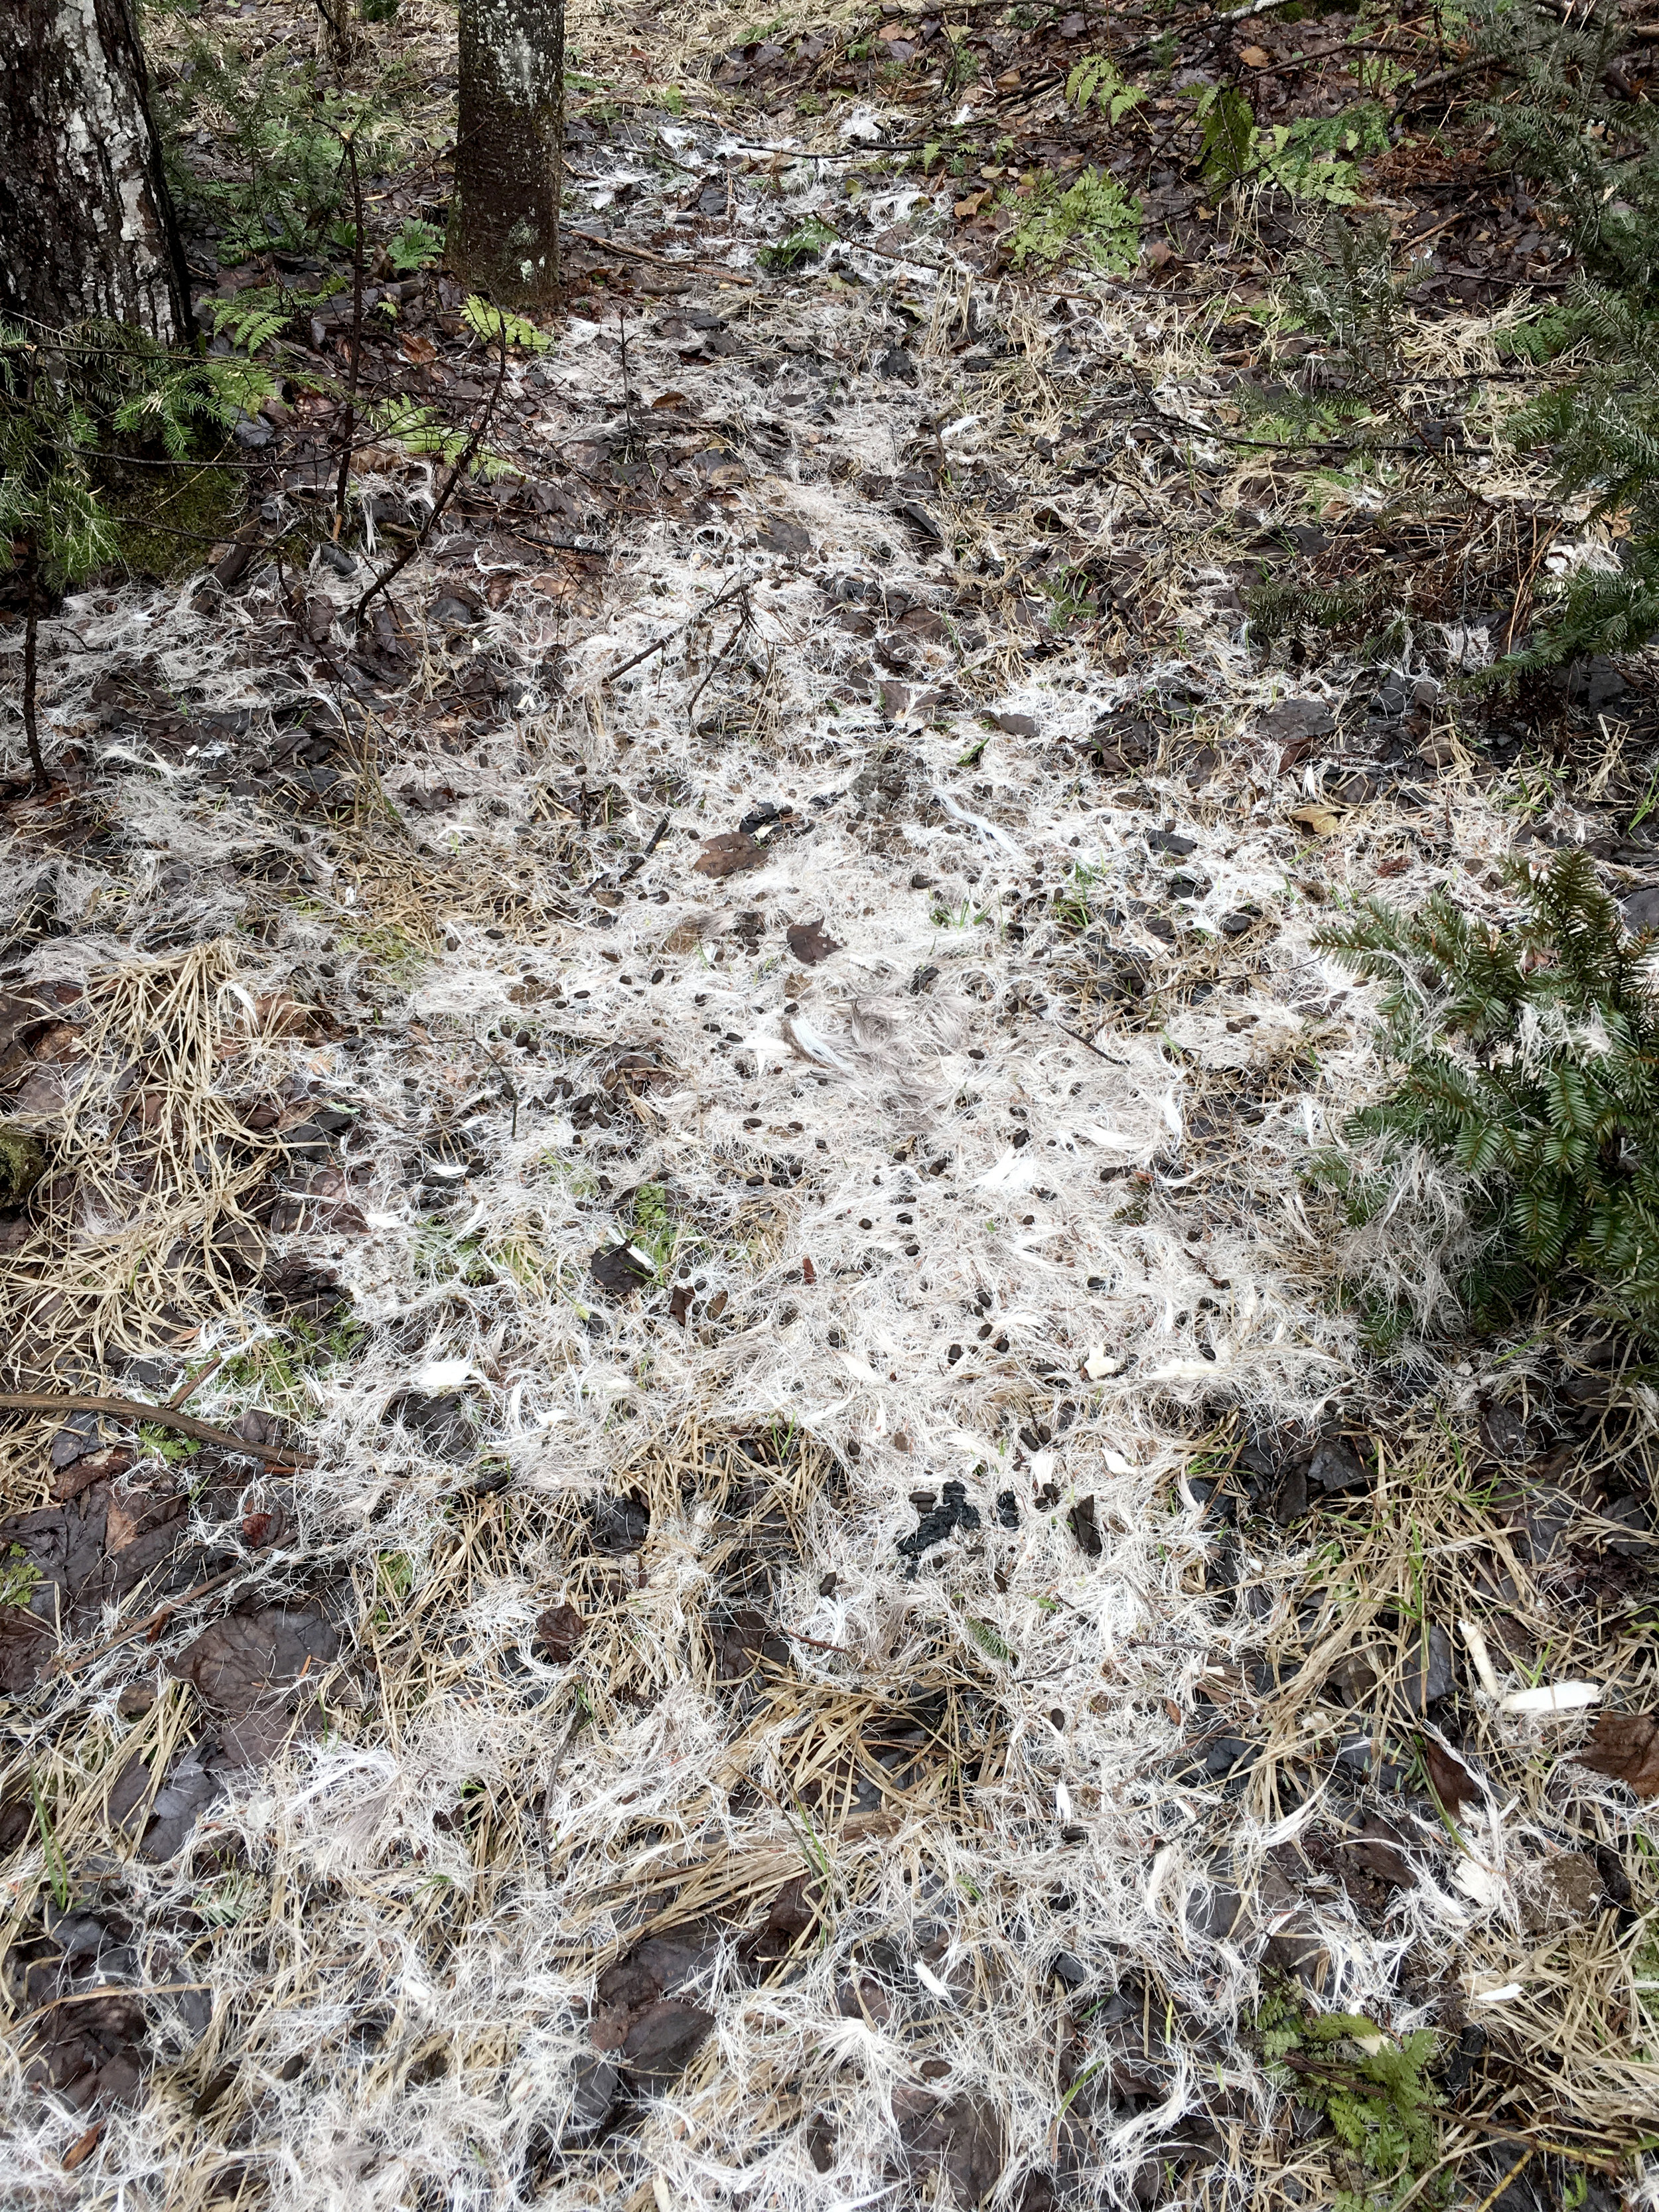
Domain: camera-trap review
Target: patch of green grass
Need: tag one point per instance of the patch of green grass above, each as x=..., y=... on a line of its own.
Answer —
x=1072, y=902
x=655, y=1230
x=273, y=1371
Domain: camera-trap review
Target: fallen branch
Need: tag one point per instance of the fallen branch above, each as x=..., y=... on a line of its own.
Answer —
x=161, y=1417
x=662, y=260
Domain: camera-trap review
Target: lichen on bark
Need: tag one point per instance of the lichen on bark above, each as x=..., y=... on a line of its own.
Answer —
x=87, y=228
x=504, y=230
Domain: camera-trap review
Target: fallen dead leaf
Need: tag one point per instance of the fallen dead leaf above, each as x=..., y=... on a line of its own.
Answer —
x=728, y=854
x=83, y=2146
x=559, y=1631
x=1449, y=1779
x=669, y=399
x=416, y=347
x=1255, y=58
x=1323, y=821
x=966, y=208
x=1625, y=1747
x=809, y=943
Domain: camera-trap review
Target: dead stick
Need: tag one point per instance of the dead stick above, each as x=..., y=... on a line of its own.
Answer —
x=662, y=260
x=164, y=1417
x=192, y=1383
x=162, y=1615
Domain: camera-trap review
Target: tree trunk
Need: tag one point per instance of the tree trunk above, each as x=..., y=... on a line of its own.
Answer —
x=87, y=227
x=504, y=230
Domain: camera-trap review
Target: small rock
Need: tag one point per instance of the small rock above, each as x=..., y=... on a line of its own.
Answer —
x=1019, y=726
x=1594, y=683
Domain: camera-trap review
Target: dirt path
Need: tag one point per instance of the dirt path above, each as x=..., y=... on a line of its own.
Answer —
x=743, y=1118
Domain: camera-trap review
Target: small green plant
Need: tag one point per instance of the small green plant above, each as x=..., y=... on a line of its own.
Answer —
x=1097, y=80
x=165, y=1444
x=19, y=1575
x=988, y=1641
x=1093, y=220
x=1529, y=1061
x=498, y=326
x=1278, y=608
x=279, y=136
x=251, y=320
x=1313, y=158
x=57, y=1872
x=805, y=243
x=416, y=245
x=1072, y=902
x=1571, y=126
x=656, y=1231
x=394, y=1578
x=1372, y=2088
x=420, y=429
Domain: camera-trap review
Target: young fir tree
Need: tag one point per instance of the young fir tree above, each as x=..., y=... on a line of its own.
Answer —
x=1528, y=1058
x=1577, y=129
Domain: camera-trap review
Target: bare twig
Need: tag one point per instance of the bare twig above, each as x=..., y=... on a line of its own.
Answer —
x=463, y=461
x=662, y=260
x=349, y=423
x=668, y=636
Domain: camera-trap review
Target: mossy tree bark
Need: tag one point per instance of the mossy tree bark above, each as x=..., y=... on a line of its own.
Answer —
x=87, y=227
x=504, y=228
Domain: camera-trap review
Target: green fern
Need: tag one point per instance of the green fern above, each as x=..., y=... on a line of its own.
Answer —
x=421, y=430
x=495, y=324
x=250, y=321
x=1097, y=80
x=1530, y=1059
x=1093, y=220
x=1372, y=2088
x=416, y=245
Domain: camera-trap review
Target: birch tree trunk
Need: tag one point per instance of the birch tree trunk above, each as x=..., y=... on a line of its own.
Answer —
x=87, y=227
x=504, y=229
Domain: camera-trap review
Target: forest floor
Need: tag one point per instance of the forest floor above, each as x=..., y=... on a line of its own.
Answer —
x=785, y=1581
